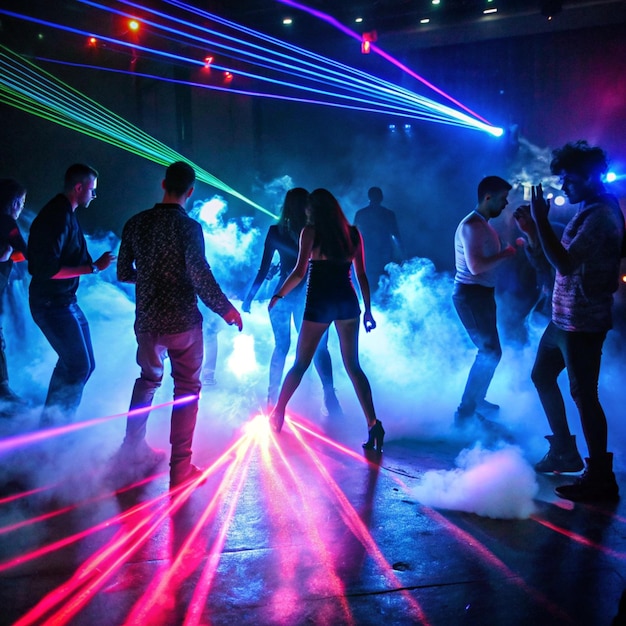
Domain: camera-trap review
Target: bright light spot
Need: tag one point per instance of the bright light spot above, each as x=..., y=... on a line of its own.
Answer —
x=208, y=61
x=610, y=177
x=407, y=127
x=624, y=278
x=424, y=21
x=228, y=76
x=258, y=428
x=211, y=210
x=133, y=25
x=392, y=128
x=287, y=21
x=436, y=1
x=358, y=20
x=242, y=360
x=92, y=41
x=559, y=200
x=495, y=131
x=488, y=11
x=549, y=196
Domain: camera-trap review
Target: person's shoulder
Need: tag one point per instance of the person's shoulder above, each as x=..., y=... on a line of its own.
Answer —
x=57, y=204
x=474, y=218
x=56, y=211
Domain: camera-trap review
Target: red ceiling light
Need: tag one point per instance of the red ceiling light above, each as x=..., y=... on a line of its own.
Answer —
x=366, y=41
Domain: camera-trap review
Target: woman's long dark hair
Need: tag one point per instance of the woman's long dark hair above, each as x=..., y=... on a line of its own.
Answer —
x=293, y=214
x=334, y=236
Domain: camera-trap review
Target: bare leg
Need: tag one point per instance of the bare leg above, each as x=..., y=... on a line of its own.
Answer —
x=348, y=331
x=308, y=340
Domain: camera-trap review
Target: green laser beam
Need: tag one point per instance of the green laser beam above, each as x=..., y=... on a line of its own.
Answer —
x=27, y=87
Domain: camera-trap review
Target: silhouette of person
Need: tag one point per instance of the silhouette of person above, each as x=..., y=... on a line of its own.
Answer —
x=587, y=264
x=12, y=199
x=57, y=258
x=162, y=253
x=283, y=238
x=541, y=311
x=478, y=252
x=381, y=238
x=329, y=248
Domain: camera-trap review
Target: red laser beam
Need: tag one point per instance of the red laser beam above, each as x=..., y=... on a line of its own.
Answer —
x=18, y=441
x=312, y=520
x=155, y=598
x=92, y=575
x=578, y=538
x=203, y=586
x=360, y=531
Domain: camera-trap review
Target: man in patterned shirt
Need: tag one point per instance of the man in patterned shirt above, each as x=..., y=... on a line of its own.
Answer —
x=587, y=262
x=162, y=252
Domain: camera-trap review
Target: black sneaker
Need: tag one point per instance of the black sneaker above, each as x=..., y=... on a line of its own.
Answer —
x=586, y=490
x=560, y=463
x=562, y=457
x=597, y=483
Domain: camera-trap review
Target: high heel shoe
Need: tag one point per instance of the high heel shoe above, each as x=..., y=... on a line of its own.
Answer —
x=276, y=421
x=375, y=438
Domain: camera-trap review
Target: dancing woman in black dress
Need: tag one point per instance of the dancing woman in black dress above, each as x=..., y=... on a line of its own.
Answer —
x=283, y=238
x=329, y=246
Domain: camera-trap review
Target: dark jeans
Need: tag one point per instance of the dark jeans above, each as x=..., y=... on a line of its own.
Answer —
x=280, y=317
x=67, y=330
x=580, y=353
x=476, y=307
x=185, y=351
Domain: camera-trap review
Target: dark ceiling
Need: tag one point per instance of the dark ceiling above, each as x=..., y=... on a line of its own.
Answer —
x=396, y=22
x=449, y=20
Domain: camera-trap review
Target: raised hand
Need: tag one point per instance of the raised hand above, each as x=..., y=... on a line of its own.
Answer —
x=539, y=206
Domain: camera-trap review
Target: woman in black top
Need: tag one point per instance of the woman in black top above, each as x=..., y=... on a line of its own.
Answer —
x=329, y=247
x=283, y=238
x=12, y=248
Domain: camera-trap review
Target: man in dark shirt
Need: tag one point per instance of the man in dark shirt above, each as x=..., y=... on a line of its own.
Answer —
x=57, y=257
x=162, y=252
x=381, y=237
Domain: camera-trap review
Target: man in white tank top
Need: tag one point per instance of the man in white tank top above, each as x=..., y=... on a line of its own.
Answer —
x=478, y=251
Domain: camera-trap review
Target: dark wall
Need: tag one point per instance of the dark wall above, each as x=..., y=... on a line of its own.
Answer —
x=556, y=87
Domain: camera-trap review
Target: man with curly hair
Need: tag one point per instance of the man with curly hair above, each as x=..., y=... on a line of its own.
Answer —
x=587, y=262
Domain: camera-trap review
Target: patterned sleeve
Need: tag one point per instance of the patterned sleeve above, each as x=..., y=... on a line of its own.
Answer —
x=201, y=275
x=126, y=271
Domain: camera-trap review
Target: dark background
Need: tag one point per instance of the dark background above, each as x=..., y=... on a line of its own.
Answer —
x=555, y=80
